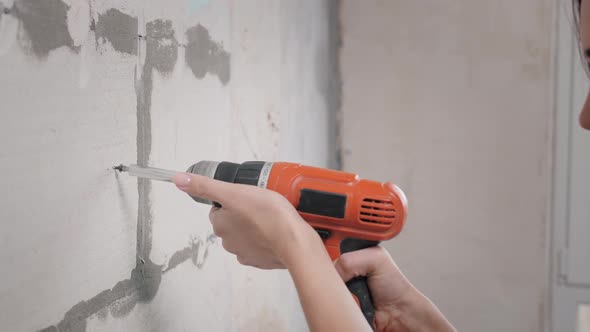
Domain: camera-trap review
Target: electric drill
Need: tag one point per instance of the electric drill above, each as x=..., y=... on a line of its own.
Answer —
x=347, y=212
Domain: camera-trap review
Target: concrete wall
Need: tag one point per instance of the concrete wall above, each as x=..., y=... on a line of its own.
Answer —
x=452, y=101
x=85, y=85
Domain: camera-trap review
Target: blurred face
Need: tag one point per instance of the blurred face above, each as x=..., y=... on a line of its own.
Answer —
x=585, y=41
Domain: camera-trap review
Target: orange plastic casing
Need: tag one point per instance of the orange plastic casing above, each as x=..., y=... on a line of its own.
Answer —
x=374, y=211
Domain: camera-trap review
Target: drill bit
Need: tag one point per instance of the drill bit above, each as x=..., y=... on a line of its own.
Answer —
x=147, y=172
x=121, y=168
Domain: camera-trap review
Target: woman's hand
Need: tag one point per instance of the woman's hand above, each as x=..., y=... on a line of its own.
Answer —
x=398, y=305
x=264, y=230
x=257, y=225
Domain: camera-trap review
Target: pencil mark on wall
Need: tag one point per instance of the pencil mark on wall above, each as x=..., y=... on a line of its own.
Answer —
x=270, y=118
x=248, y=141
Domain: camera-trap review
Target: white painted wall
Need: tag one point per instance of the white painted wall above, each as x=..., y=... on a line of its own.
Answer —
x=69, y=233
x=452, y=100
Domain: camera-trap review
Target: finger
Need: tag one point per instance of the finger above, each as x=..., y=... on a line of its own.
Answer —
x=258, y=263
x=215, y=212
x=206, y=188
x=228, y=246
x=274, y=265
x=242, y=260
x=220, y=221
x=362, y=263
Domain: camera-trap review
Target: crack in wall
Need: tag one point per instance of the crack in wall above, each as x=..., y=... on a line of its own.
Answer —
x=141, y=287
x=160, y=55
x=331, y=80
x=44, y=23
x=192, y=252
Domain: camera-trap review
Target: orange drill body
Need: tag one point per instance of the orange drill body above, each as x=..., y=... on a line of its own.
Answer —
x=371, y=210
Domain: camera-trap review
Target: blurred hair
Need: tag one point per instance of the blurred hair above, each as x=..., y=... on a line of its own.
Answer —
x=576, y=8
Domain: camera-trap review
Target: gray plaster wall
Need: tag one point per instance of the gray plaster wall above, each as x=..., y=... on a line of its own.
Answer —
x=86, y=85
x=452, y=100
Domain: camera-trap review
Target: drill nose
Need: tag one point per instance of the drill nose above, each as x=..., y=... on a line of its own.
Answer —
x=205, y=168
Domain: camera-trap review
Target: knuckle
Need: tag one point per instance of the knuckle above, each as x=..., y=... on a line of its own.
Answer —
x=276, y=264
x=218, y=229
x=247, y=261
x=276, y=197
x=345, y=263
x=200, y=190
x=227, y=246
x=241, y=260
x=381, y=254
x=213, y=214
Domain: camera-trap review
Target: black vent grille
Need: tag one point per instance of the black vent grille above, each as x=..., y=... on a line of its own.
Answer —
x=377, y=211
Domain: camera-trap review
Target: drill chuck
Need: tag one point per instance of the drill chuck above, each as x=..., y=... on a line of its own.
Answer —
x=253, y=173
x=205, y=168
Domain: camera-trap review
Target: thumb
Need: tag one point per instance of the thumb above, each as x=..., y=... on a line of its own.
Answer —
x=361, y=263
x=204, y=187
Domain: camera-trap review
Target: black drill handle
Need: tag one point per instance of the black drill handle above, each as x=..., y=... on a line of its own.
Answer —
x=359, y=286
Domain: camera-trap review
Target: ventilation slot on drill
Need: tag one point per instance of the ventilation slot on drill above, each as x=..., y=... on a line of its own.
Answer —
x=377, y=211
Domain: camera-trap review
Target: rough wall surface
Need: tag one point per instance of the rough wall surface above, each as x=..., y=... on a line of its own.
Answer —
x=452, y=100
x=85, y=85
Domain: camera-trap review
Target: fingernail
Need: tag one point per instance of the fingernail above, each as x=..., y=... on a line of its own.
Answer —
x=182, y=181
